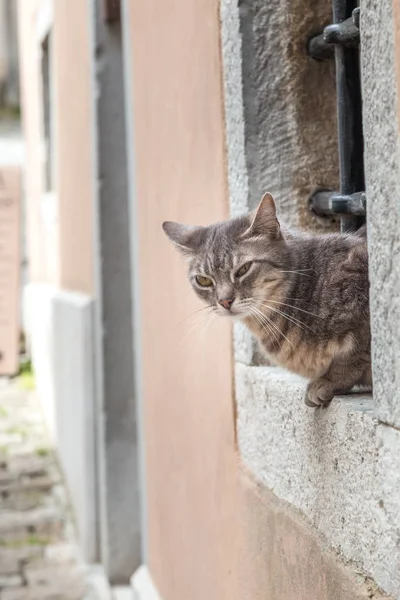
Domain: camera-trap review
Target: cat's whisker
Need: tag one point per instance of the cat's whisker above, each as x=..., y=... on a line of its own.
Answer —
x=291, y=306
x=286, y=298
x=195, y=313
x=294, y=320
x=258, y=321
x=298, y=272
x=273, y=328
x=296, y=308
x=210, y=320
x=263, y=323
x=201, y=319
x=274, y=325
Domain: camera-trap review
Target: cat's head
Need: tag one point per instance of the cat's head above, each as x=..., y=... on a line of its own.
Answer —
x=235, y=265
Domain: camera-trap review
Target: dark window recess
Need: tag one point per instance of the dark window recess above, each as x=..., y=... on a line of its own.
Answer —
x=47, y=113
x=112, y=11
x=342, y=41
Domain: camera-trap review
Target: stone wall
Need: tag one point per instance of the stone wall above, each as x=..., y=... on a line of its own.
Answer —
x=339, y=467
x=285, y=125
x=383, y=194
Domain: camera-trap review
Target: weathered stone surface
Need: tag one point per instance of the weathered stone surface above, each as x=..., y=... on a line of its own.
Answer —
x=9, y=565
x=387, y=508
x=280, y=105
x=14, y=594
x=46, y=523
x=11, y=559
x=319, y=461
x=43, y=593
x=24, y=495
x=292, y=560
x=10, y=581
x=28, y=465
x=62, y=553
x=382, y=167
x=49, y=575
x=339, y=466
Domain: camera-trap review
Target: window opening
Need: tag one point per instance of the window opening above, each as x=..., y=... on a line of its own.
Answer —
x=341, y=40
x=47, y=113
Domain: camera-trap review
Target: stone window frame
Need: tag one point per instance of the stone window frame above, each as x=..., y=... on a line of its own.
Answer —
x=335, y=466
x=44, y=30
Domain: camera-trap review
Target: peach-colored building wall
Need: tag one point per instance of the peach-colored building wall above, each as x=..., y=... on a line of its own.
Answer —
x=74, y=167
x=213, y=532
x=39, y=254
x=188, y=390
x=59, y=227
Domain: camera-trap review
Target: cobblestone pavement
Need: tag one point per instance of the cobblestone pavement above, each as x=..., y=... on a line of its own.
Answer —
x=38, y=557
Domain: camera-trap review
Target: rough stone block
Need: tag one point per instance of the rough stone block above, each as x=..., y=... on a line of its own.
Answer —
x=318, y=460
x=52, y=592
x=280, y=104
x=387, y=509
x=291, y=560
x=10, y=581
x=55, y=576
x=243, y=344
x=234, y=114
x=44, y=524
x=382, y=168
x=338, y=466
x=63, y=553
x=11, y=558
x=25, y=494
x=9, y=564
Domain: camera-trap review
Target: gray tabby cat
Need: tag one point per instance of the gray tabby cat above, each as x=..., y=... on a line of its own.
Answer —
x=305, y=297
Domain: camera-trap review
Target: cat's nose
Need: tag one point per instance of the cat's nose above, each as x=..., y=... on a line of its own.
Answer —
x=226, y=303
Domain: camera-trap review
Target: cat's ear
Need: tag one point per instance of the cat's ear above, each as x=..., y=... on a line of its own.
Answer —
x=264, y=220
x=186, y=238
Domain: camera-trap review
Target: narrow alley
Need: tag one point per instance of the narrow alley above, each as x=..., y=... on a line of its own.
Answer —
x=39, y=559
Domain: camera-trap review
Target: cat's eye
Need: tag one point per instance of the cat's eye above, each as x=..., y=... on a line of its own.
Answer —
x=243, y=269
x=204, y=281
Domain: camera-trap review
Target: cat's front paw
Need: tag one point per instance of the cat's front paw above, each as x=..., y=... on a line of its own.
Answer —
x=318, y=393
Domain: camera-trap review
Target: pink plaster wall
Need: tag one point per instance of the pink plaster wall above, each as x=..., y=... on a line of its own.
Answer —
x=60, y=248
x=213, y=533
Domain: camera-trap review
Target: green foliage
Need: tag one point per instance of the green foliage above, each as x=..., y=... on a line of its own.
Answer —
x=26, y=376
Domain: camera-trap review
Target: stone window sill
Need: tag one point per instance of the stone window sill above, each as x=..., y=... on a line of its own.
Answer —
x=322, y=461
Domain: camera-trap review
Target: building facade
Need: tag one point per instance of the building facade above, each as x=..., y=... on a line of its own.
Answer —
x=77, y=304
x=188, y=111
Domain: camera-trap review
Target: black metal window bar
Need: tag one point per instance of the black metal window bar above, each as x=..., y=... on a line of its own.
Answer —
x=341, y=40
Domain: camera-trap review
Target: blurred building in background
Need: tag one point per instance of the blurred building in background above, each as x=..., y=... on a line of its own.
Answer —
x=9, y=74
x=188, y=110
x=77, y=304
